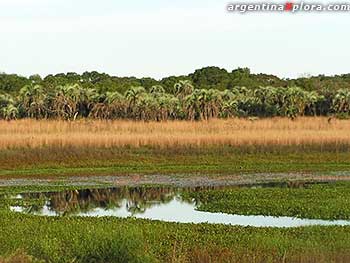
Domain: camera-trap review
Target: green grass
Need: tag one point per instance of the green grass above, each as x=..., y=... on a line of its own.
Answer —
x=69, y=239
x=107, y=239
x=127, y=240
x=319, y=201
x=210, y=160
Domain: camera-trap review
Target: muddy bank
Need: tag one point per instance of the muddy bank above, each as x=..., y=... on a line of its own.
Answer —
x=175, y=180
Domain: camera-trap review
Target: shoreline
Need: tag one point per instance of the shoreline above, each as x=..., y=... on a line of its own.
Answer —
x=174, y=180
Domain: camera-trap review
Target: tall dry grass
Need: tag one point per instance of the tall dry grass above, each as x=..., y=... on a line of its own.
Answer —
x=234, y=132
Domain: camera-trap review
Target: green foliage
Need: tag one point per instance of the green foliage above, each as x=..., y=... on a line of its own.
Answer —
x=107, y=239
x=209, y=92
x=318, y=201
x=341, y=101
x=72, y=240
x=11, y=83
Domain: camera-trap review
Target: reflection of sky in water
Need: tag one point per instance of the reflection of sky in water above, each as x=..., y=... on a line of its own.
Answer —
x=184, y=212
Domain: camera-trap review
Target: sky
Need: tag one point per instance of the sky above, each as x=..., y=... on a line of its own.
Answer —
x=159, y=38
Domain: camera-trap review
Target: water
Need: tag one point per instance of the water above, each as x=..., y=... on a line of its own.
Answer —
x=156, y=203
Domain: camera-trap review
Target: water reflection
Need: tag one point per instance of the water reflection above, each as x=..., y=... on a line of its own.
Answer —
x=157, y=203
x=135, y=200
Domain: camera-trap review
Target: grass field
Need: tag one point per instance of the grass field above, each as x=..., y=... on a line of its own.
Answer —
x=128, y=240
x=107, y=239
x=233, y=132
x=36, y=149
x=42, y=148
x=205, y=160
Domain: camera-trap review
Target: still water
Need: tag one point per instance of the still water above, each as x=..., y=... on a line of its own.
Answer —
x=155, y=203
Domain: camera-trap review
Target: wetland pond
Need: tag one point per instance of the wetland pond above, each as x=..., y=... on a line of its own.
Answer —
x=156, y=203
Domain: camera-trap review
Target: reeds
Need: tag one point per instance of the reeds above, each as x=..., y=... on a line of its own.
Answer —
x=234, y=132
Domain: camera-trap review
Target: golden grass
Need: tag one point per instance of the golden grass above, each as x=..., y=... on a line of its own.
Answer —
x=234, y=132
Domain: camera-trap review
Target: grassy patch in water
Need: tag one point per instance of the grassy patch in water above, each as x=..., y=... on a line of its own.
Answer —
x=319, y=201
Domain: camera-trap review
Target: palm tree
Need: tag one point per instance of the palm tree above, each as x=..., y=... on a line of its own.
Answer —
x=85, y=99
x=192, y=105
x=227, y=95
x=210, y=103
x=214, y=103
x=230, y=109
x=157, y=90
x=65, y=102
x=146, y=108
x=341, y=101
x=10, y=112
x=33, y=101
x=298, y=99
x=312, y=99
x=73, y=100
x=114, y=106
x=166, y=107
x=6, y=99
x=183, y=88
x=294, y=102
x=175, y=108
x=132, y=95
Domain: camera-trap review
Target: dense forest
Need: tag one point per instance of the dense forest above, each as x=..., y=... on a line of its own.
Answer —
x=209, y=92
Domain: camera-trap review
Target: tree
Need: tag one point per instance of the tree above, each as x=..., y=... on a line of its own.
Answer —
x=10, y=112
x=132, y=95
x=33, y=101
x=211, y=78
x=341, y=101
x=183, y=88
x=157, y=90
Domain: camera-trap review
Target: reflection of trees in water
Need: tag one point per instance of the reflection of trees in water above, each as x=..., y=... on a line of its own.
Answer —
x=139, y=199
x=136, y=199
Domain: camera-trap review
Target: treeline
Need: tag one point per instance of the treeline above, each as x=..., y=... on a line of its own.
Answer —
x=205, y=78
x=207, y=93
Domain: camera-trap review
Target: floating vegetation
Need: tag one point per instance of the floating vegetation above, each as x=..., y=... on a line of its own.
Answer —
x=265, y=205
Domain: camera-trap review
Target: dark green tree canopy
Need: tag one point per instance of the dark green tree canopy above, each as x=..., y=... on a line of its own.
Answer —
x=204, y=78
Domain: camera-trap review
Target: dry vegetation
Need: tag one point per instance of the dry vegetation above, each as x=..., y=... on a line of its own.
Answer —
x=234, y=132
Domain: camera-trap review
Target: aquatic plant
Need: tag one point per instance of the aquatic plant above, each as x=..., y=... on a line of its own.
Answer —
x=320, y=201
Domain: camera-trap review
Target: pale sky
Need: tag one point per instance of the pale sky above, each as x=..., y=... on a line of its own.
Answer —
x=158, y=38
